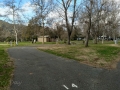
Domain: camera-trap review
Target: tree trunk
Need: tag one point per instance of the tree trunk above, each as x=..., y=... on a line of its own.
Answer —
x=87, y=40
x=103, y=38
x=115, y=39
x=16, y=36
x=88, y=32
x=68, y=38
x=95, y=42
x=16, y=39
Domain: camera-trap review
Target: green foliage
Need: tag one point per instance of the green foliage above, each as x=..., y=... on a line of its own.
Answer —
x=8, y=39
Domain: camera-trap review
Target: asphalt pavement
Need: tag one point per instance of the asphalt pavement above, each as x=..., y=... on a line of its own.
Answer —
x=37, y=70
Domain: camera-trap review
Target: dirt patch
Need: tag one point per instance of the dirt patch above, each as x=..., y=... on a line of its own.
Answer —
x=101, y=63
x=87, y=50
x=52, y=46
x=115, y=45
x=4, y=44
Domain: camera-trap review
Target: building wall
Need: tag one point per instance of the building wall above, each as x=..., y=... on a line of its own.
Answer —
x=46, y=39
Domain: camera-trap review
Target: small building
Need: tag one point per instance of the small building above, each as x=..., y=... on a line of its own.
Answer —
x=46, y=39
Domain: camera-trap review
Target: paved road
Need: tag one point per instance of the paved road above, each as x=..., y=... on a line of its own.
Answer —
x=37, y=70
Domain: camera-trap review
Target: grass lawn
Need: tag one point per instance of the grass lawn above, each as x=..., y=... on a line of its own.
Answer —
x=98, y=55
x=6, y=68
x=31, y=44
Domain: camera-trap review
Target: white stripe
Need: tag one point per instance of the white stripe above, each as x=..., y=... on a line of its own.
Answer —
x=65, y=87
x=73, y=85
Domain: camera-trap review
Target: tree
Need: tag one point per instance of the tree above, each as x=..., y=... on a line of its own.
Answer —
x=1, y=33
x=97, y=16
x=13, y=10
x=96, y=20
x=30, y=31
x=59, y=30
x=76, y=33
x=69, y=16
x=113, y=19
x=42, y=9
x=104, y=18
x=87, y=9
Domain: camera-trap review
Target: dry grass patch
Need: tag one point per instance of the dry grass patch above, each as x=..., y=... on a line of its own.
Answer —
x=51, y=46
x=105, y=56
x=114, y=45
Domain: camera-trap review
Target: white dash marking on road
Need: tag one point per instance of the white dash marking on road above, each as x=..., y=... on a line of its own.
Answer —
x=73, y=85
x=65, y=87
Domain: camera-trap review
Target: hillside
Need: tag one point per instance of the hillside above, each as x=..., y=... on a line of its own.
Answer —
x=6, y=30
x=6, y=26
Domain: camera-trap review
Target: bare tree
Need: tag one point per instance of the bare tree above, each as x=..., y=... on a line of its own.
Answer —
x=69, y=9
x=109, y=18
x=14, y=11
x=104, y=17
x=99, y=16
x=59, y=31
x=113, y=19
x=96, y=20
x=87, y=10
x=42, y=9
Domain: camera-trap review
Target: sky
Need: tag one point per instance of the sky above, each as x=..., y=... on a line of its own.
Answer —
x=28, y=11
x=25, y=5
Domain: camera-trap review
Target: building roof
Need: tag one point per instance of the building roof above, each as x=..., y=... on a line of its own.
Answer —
x=44, y=36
